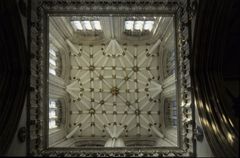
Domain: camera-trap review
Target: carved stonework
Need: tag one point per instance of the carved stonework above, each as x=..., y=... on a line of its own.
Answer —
x=22, y=134
x=114, y=153
x=39, y=97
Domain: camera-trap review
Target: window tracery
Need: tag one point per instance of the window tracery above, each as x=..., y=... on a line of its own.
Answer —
x=55, y=113
x=55, y=66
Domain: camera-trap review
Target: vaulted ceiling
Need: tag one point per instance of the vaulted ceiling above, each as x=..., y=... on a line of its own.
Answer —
x=115, y=82
x=113, y=27
x=115, y=91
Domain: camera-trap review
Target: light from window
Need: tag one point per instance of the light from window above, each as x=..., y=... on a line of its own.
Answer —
x=97, y=25
x=52, y=104
x=148, y=25
x=52, y=124
x=53, y=62
x=52, y=71
x=138, y=25
x=87, y=25
x=129, y=25
x=52, y=113
x=52, y=52
x=77, y=25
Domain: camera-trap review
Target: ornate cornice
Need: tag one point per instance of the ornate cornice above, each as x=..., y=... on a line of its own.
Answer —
x=138, y=153
x=115, y=7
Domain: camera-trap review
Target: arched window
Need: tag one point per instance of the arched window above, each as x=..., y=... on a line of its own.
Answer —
x=54, y=62
x=55, y=113
x=170, y=113
x=170, y=64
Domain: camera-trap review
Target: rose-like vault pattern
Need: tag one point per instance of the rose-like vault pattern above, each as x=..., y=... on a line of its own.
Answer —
x=115, y=90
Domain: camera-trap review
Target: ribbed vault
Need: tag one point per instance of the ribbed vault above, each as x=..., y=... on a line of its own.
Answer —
x=115, y=90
